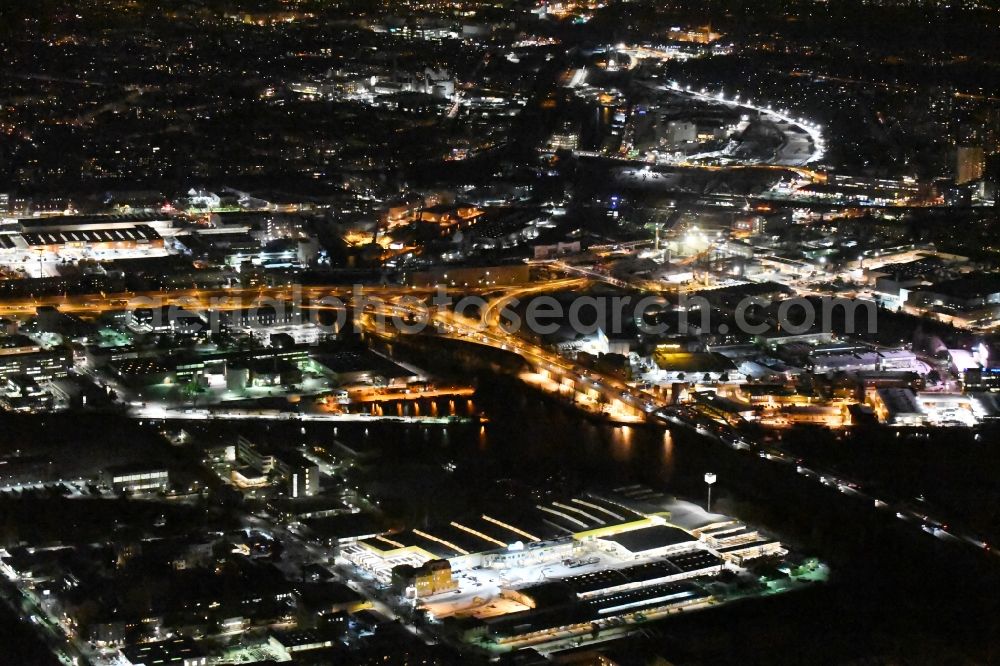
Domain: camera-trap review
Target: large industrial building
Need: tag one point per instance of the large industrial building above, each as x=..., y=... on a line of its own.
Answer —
x=83, y=236
x=557, y=531
x=558, y=568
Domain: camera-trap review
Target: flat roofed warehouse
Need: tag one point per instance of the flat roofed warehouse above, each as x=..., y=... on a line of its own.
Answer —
x=676, y=567
x=113, y=237
x=695, y=560
x=545, y=620
x=658, y=539
x=651, y=597
x=174, y=652
x=81, y=222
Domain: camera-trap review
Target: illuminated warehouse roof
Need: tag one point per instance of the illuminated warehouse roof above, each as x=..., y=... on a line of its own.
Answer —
x=137, y=234
x=502, y=527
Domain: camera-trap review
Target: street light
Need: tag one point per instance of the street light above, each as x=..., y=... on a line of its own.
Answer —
x=709, y=480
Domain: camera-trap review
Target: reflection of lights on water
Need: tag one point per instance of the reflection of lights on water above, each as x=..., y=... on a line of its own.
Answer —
x=668, y=454
x=621, y=443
